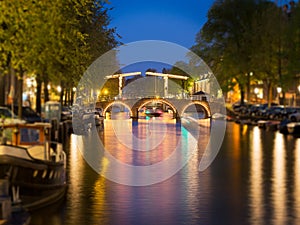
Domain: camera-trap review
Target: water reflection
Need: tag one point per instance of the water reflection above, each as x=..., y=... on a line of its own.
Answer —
x=297, y=180
x=279, y=181
x=255, y=180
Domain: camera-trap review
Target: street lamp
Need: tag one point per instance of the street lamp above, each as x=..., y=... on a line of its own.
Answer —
x=279, y=90
x=299, y=87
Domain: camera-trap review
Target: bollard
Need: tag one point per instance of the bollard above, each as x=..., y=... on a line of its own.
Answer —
x=61, y=132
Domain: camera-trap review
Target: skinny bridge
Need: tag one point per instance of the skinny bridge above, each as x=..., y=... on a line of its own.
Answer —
x=135, y=105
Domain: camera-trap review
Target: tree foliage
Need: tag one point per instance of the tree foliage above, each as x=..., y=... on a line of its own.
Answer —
x=53, y=40
x=248, y=37
x=293, y=36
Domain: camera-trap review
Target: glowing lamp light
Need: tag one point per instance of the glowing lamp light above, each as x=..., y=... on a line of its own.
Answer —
x=256, y=90
x=279, y=89
x=299, y=88
x=105, y=91
x=59, y=89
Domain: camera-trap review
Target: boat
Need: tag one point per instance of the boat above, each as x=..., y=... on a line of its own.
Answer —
x=294, y=128
x=153, y=112
x=262, y=124
x=34, y=166
x=272, y=125
x=219, y=116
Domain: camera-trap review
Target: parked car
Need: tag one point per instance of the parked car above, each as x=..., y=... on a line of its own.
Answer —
x=28, y=114
x=273, y=112
x=264, y=109
x=8, y=117
x=237, y=106
x=66, y=113
x=295, y=117
x=241, y=109
x=290, y=110
x=255, y=110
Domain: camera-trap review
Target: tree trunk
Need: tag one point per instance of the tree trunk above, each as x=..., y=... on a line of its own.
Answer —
x=46, y=91
x=20, y=94
x=72, y=97
x=66, y=96
x=242, y=97
x=61, y=95
x=282, y=102
x=2, y=90
x=38, y=94
x=242, y=94
x=248, y=87
x=270, y=94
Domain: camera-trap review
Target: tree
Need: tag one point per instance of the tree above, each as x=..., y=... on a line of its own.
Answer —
x=55, y=41
x=293, y=36
x=250, y=37
x=186, y=85
x=225, y=42
x=272, y=25
x=16, y=21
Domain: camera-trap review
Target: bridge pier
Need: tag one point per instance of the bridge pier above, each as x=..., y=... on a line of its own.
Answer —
x=177, y=117
x=134, y=122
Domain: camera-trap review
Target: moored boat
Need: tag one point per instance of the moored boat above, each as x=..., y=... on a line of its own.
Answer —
x=153, y=112
x=262, y=124
x=294, y=128
x=272, y=125
x=34, y=165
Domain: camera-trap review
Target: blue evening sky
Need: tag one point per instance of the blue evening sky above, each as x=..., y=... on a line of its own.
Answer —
x=166, y=20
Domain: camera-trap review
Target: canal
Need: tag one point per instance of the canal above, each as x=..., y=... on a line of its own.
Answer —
x=255, y=179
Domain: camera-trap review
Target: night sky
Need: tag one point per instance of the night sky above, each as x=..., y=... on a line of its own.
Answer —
x=166, y=20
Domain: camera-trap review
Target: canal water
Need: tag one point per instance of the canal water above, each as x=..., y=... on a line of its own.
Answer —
x=255, y=179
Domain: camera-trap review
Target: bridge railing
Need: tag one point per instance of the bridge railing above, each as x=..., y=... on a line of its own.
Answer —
x=178, y=96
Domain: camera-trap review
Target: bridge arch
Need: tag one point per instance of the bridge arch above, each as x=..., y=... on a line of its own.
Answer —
x=203, y=105
x=147, y=101
x=117, y=103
